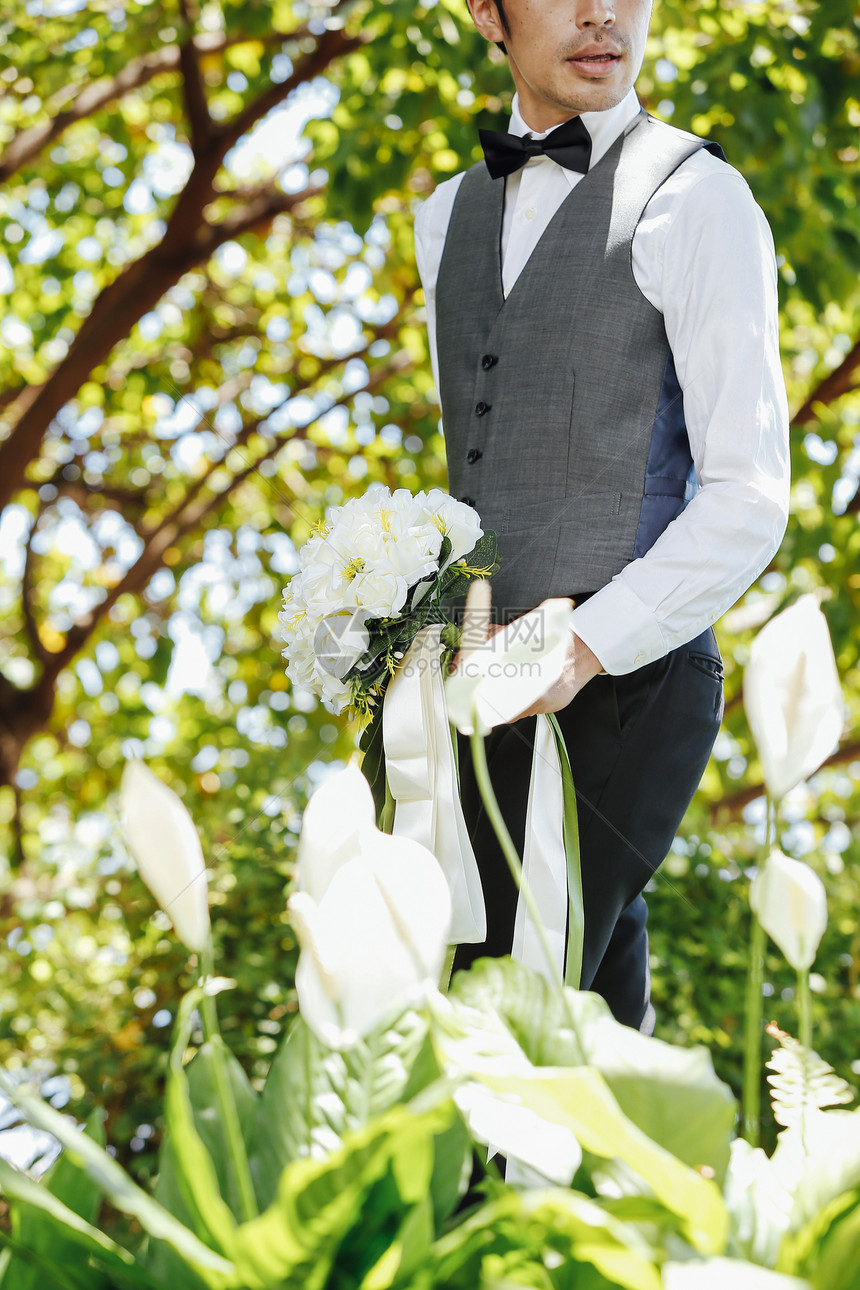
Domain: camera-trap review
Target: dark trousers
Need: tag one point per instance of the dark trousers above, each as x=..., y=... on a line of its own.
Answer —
x=638, y=746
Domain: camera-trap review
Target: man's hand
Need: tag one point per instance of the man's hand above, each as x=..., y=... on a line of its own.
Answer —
x=580, y=666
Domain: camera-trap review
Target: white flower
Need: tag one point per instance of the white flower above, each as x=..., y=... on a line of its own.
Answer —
x=413, y=546
x=459, y=522
x=789, y=900
x=163, y=840
x=512, y=670
x=325, y=581
x=372, y=915
x=792, y=695
x=379, y=591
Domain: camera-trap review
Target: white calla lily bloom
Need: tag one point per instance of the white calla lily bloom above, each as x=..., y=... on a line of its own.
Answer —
x=789, y=900
x=506, y=675
x=792, y=695
x=372, y=916
x=163, y=840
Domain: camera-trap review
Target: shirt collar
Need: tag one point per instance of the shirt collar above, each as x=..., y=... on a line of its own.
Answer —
x=604, y=128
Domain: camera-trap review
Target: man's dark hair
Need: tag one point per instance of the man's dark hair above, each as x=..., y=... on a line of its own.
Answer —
x=503, y=19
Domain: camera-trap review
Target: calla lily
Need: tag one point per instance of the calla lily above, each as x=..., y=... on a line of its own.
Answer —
x=789, y=900
x=792, y=695
x=372, y=916
x=163, y=840
x=505, y=676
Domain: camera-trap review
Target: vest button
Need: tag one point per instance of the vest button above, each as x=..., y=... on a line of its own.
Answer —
x=488, y=361
x=472, y=455
x=468, y=501
x=481, y=408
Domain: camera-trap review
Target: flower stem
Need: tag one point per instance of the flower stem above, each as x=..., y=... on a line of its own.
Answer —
x=491, y=805
x=804, y=1007
x=752, y=1041
x=753, y=1019
x=224, y=1095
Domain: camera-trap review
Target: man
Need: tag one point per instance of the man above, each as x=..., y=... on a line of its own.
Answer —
x=603, y=323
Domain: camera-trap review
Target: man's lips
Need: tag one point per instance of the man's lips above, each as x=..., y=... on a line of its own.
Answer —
x=593, y=55
x=595, y=61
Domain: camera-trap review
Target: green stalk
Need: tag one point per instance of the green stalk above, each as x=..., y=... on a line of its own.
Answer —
x=491, y=805
x=804, y=1007
x=447, y=968
x=753, y=1019
x=224, y=1095
x=752, y=1036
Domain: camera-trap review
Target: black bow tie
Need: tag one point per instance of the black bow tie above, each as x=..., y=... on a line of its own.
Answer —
x=569, y=145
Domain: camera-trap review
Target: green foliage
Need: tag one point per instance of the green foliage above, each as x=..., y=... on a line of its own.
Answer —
x=801, y=1081
x=359, y=1189
x=231, y=358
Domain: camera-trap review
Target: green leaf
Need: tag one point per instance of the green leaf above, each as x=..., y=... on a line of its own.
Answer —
x=33, y=1231
x=171, y=1188
x=617, y=1250
x=670, y=1093
x=347, y=1210
x=570, y=827
x=373, y=760
x=215, y=1272
x=59, y=1239
x=515, y=1237
x=580, y=1100
x=837, y=1265
x=200, y=1073
x=195, y=1172
x=314, y=1095
x=801, y=1081
x=452, y=1160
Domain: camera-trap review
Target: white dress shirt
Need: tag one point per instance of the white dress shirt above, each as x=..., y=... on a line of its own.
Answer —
x=703, y=255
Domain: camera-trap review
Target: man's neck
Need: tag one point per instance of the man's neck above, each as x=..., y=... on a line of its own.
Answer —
x=604, y=127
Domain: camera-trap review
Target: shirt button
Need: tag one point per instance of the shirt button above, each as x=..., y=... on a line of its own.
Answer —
x=488, y=361
x=530, y=212
x=468, y=501
x=481, y=408
x=639, y=659
x=473, y=455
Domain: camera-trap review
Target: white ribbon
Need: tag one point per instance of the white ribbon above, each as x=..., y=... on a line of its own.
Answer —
x=422, y=777
x=544, y=862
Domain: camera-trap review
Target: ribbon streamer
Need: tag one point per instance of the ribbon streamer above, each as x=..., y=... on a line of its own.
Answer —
x=544, y=861
x=422, y=778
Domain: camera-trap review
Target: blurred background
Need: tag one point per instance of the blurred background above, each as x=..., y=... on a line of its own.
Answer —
x=211, y=329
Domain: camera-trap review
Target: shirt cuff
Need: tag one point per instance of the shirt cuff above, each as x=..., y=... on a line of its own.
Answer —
x=619, y=629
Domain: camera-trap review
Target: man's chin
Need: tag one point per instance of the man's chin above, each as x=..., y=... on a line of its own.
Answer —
x=598, y=96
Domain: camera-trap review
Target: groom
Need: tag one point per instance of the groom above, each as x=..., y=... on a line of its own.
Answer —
x=601, y=304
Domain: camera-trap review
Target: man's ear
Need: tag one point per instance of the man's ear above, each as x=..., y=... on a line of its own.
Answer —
x=486, y=18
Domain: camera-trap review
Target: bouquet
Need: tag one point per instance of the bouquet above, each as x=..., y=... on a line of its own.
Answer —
x=377, y=570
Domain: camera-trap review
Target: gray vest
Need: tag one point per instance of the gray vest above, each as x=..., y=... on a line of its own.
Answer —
x=563, y=417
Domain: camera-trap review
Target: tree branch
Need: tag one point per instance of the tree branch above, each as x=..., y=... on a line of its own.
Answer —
x=186, y=517
x=140, y=285
x=196, y=107
x=838, y=382
x=250, y=218
x=99, y=94
x=30, y=627
x=731, y=806
x=331, y=44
